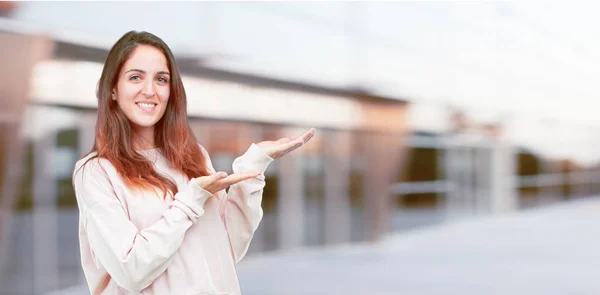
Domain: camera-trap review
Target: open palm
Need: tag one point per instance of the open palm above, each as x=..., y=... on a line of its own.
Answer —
x=281, y=147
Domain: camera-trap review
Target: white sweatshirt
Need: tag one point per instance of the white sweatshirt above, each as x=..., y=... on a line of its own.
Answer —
x=134, y=242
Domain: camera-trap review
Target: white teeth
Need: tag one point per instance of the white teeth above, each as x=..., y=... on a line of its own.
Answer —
x=146, y=105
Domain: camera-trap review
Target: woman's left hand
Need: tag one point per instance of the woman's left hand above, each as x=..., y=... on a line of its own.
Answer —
x=279, y=148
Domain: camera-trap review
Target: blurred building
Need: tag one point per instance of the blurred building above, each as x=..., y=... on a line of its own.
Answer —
x=367, y=172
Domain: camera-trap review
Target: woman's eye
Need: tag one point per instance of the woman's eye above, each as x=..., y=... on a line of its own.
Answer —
x=135, y=78
x=162, y=80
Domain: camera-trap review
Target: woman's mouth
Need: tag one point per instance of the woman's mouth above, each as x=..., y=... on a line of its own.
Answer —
x=146, y=106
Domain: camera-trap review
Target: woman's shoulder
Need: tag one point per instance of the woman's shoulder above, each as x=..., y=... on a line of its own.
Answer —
x=202, y=148
x=93, y=163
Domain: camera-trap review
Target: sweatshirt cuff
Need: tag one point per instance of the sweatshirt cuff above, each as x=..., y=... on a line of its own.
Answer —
x=254, y=159
x=191, y=201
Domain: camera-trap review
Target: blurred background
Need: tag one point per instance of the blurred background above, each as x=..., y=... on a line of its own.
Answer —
x=455, y=153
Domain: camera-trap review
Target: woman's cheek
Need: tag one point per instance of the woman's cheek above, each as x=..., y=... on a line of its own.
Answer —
x=164, y=94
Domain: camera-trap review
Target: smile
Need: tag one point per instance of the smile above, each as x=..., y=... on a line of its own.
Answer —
x=146, y=106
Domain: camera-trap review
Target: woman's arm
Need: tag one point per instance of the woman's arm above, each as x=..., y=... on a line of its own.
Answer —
x=134, y=258
x=241, y=210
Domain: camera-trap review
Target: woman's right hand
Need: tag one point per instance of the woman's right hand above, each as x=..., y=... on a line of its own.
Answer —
x=220, y=180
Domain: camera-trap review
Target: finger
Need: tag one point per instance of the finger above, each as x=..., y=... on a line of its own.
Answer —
x=217, y=176
x=290, y=146
x=284, y=140
x=238, y=177
x=209, y=182
x=311, y=133
x=296, y=143
x=306, y=136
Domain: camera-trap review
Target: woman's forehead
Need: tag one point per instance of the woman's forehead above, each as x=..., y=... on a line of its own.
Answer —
x=147, y=59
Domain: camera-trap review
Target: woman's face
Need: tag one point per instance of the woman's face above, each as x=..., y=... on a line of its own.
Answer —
x=143, y=88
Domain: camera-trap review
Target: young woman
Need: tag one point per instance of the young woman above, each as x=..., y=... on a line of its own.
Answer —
x=154, y=214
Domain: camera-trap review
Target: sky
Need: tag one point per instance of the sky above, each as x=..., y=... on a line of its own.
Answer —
x=530, y=65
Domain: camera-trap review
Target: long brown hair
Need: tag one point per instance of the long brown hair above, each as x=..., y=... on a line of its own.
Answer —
x=172, y=134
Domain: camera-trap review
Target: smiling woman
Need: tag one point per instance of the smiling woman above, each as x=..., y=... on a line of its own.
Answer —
x=154, y=214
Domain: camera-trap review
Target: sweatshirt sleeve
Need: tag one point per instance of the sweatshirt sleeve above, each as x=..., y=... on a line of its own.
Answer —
x=241, y=209
x=134, y=258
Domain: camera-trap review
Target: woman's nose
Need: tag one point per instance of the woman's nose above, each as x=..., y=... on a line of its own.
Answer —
x=148, y=90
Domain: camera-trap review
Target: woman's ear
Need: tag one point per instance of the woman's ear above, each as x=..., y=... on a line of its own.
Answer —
x=113, y=94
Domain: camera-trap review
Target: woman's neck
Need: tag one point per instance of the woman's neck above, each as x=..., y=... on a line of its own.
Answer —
x=144, y=140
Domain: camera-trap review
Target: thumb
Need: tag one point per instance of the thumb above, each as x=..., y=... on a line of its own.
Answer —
x=217, y=176
x=284, y=140
x=205, y=182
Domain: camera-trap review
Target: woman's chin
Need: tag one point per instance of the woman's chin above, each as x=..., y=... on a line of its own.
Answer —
x=143, y=124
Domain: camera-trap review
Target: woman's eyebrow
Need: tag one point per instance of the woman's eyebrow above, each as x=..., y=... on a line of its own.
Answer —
x=135, y=70
x=143, y=72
